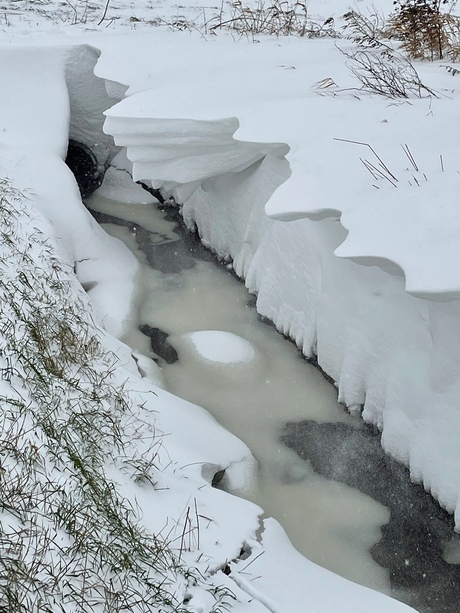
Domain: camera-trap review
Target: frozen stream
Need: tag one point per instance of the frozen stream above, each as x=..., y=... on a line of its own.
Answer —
x=254, y=394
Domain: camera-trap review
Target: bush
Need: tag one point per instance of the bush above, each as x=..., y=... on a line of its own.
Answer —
x=278, y=17
x=425, y=31
x=386, y=73
x=379, y=68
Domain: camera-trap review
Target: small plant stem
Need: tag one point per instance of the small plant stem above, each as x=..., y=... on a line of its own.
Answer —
x=184, y=532
x=368, y=168
x=197, y=525
x=355, y=142
x=105, y=12
x=379, y=172
x=410, y=157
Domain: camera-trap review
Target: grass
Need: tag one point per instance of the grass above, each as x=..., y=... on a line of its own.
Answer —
x=68, y=541
x=270, y=17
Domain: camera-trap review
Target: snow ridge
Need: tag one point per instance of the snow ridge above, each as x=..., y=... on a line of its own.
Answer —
x=180, y=154
x=388, y=351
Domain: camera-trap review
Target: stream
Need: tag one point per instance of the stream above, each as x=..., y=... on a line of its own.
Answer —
x=322, y=474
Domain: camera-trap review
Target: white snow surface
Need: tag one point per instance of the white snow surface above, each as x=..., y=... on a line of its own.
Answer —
x=364, y=277
x=220, y=346
x=35, y=125
x=190, y=445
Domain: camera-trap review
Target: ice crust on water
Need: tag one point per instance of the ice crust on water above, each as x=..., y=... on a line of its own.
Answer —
x=220, y=347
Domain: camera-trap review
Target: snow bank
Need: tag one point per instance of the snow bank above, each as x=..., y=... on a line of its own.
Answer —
x=115, y=463
x=389, y=352
x=37, y=117
x=382, y=317
x=300, y=581
x=181, y=152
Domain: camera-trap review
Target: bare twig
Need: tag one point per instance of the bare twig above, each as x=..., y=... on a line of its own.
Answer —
x=104, y=13
x=354, y=142
x=410, y=157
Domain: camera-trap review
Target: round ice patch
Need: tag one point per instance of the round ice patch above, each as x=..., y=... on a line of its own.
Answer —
x=221, y=347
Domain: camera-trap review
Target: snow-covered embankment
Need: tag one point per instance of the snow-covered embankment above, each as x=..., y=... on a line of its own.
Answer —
x=384, y=316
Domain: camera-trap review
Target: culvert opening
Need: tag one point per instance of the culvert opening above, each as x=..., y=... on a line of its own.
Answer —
x=88, y=173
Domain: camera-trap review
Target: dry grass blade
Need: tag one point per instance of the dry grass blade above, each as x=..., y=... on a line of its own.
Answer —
x=382, y=164
x=410, y=157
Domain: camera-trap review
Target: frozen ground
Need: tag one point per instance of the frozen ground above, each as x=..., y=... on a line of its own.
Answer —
x=282, y=199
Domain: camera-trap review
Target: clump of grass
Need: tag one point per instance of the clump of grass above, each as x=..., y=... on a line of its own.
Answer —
x=365, y=30
x=68, y=541
x=424, y=27
x=387, y=73
x=70, y=12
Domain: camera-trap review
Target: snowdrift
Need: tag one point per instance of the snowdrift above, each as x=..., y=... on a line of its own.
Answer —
x=382, y=318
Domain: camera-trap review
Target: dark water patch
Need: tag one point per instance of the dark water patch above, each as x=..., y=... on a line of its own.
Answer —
x=191, y=238
x=162, y=253
x=413, y=541
x=156, y=193
x=167, y=257
x=135, y=227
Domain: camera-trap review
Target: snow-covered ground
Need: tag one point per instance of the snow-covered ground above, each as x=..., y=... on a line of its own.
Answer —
x=358, y=269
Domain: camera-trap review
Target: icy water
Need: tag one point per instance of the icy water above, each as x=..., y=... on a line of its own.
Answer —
x=322, y=474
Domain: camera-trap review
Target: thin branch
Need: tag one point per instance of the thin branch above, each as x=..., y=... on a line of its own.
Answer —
x=355, y=142
x=105, y=12
x=410, y=157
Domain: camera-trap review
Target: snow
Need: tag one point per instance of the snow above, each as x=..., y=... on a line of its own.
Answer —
x=322, y=168
x=358, y=271
x=35, y=129
x=220, y=347
x=295, y=576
